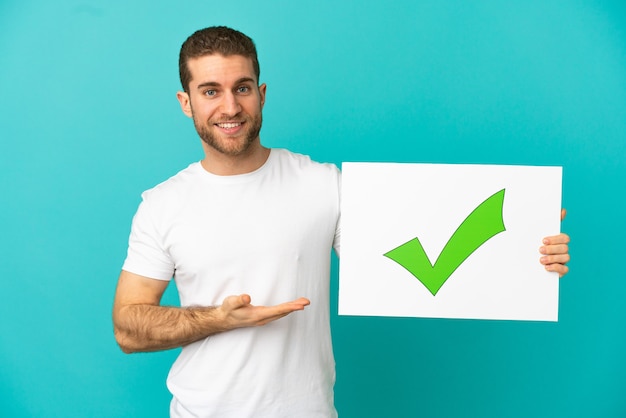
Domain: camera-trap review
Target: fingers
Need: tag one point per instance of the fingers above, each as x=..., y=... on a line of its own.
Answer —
x=300, y=302
x=556, y=252
x=554, y=259
x=240, y=312
x=267, y=314
x=558, y=268
x=556, y=239
x=563, y=213
x=554, y=249
x=287, y=307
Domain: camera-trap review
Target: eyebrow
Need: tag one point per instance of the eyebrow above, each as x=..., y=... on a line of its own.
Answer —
x=216, y=84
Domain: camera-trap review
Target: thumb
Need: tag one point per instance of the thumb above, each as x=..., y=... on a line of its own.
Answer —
x=235, y=302
x=245, y=299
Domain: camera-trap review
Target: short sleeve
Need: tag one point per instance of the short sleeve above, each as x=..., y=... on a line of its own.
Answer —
x=146, y=255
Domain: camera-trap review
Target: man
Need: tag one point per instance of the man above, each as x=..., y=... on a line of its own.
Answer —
x=247, y=222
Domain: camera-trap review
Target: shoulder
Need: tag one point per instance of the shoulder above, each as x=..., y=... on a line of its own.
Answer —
x=175, y=188
x=313, y=178
x=304, y=164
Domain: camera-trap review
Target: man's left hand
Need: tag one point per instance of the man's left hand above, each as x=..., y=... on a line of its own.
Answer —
x=555, y=252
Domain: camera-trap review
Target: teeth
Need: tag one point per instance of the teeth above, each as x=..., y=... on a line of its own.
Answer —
x=228, y=125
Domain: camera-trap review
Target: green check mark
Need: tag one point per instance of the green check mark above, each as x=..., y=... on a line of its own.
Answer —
x=482, y=224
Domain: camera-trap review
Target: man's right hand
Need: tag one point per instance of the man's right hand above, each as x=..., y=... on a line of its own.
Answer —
x=239, y=312
x=142, y=324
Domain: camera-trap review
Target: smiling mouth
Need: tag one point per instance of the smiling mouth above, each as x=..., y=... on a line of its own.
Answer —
x=229, y=125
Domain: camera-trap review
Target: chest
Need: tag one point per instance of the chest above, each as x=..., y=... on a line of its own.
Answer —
x=223, y=230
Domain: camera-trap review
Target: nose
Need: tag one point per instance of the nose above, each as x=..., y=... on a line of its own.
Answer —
x=230, y=104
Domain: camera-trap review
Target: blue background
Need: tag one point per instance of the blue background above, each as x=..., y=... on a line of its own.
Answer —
x=89, y=120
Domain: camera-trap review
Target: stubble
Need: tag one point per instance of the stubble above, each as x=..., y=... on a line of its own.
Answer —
x=231, y=146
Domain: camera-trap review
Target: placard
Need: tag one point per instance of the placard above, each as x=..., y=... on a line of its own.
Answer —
x=448, y=240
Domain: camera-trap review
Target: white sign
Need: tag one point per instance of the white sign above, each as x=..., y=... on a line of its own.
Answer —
x=448, y=241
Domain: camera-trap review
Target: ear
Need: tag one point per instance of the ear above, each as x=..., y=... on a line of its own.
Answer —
x=185, y=103
x=262, y=90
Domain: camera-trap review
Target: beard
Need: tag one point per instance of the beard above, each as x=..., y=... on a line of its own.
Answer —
x=231, y=146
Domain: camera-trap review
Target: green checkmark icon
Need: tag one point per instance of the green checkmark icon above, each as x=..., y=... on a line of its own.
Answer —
x=482, y=224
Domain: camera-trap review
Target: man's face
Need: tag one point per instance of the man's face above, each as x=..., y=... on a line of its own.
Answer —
x=225, y=102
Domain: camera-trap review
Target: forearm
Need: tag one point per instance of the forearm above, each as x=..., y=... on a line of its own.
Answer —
x=144, y=327
x=142, y=324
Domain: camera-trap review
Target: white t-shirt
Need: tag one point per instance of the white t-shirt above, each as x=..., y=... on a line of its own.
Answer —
x=269, y=234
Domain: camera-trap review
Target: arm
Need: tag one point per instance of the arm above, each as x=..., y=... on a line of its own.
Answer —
x=555, y=252
x=141, y=324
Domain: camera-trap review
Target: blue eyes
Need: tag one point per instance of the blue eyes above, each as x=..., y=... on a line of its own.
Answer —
x=238, y=90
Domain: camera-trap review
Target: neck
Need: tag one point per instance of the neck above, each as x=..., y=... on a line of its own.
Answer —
x=221, y=164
